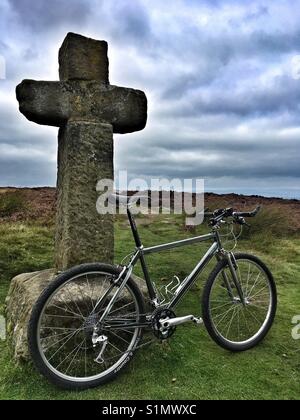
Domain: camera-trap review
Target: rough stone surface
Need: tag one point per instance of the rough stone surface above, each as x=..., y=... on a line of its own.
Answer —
x=54, y=103
x=85, y=156
x=24, y=291
x=82, y=58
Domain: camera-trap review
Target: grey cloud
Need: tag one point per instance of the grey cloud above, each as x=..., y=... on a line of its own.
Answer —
x=261, y=10
x=283, y=95
x=26, y=151
x=223, y=51
x=27, y=172
x=183, y=84
x=203, y=83
x=270, y=155
x=3, y=46
x=43, y=14
x=132, y=20
x=259, y=145
x=280, y=42
x=236, y=165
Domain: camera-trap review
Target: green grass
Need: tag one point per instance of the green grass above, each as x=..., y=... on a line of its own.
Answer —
x=190, y=365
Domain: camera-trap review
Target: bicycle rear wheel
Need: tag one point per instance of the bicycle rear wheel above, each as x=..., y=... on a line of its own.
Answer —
x=61, y=334
x=232, y=325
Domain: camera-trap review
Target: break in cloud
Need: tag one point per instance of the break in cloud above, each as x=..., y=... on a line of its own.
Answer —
x=224, y=98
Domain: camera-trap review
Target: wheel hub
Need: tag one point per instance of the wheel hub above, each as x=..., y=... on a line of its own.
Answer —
x=89, y=326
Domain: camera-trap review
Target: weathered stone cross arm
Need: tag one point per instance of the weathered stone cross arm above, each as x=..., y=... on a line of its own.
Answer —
x=54, y=103
x=84, y=92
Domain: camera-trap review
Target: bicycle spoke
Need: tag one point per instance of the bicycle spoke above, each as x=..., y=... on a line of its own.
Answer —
x=75, y=315
x=225, y=312
x=239, y=331
x=91, y=292
x=254, y=284
x=257, y=293
x=119, y=337
x=222, y=306
x=60, y=328
x=122, y=307
x=246, y=322
x=75, y=303
x=248, y=279
x=54, y=335
x=74, y=358
x=116, y=348
x=67, y=339
x=66, y=305
x=231, y=321
x=66, y=336
x=238, y=322
x=225, y=316
x=63, y=316
x=253, y=316
x=70, y=354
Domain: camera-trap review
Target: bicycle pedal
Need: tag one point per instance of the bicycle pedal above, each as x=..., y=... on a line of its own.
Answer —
x=198, y=321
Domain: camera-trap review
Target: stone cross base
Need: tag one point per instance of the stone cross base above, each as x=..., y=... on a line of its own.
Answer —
x=24, y=291
x=85, y=157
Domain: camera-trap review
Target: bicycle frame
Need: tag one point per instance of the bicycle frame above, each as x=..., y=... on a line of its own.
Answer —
x=192, y=277
x=141, y=253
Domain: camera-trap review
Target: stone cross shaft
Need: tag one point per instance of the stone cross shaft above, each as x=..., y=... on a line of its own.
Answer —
x=88, y=111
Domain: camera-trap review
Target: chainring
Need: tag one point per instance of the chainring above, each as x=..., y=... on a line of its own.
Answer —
x=162, y=315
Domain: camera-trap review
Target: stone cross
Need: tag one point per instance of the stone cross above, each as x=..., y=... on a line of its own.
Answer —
x=88, y=111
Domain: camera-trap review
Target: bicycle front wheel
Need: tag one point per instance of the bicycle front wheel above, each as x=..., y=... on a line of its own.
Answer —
x=69, y=344
x=231, y=324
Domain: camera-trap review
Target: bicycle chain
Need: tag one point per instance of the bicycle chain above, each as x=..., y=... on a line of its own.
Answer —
x=132, y=351
x=137, y=347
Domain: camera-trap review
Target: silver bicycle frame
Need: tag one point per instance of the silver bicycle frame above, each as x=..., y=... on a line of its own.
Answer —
x=141, y=252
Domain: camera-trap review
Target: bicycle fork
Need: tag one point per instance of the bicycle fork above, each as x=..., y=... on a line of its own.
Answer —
x=233, y=267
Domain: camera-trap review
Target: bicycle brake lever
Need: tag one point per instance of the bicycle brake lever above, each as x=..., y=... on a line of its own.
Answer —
x=241, y=221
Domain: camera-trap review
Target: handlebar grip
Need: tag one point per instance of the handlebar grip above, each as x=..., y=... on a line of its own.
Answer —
x=248, y=214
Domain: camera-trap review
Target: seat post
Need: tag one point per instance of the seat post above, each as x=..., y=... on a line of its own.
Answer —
x=139, y=244
x=134, y=230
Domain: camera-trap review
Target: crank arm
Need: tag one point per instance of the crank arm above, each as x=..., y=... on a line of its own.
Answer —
x=173, y=322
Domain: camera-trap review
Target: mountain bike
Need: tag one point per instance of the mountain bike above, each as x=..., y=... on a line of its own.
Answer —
x=87, y=325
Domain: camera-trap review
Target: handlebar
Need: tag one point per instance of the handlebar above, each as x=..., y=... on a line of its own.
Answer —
x=247, y=214
x=239, y=217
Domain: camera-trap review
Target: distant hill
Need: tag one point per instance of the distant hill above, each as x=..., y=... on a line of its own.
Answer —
x=40, y=203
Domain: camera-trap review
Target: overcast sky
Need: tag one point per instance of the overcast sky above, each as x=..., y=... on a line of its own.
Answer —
x=221, y=79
